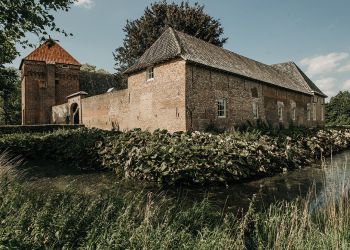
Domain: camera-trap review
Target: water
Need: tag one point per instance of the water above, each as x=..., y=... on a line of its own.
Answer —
x=282, y=187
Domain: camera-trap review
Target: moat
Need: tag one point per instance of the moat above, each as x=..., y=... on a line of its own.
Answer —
x=331, y=175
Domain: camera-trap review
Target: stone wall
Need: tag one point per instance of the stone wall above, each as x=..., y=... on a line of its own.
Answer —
x=205, y=86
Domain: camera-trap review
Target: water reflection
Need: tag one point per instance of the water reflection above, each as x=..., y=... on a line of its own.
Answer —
x=282, y=187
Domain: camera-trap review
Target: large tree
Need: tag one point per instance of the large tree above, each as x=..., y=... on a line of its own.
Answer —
x=10, y=107
x=338, y=109
x=144, y=31
x=20, y=17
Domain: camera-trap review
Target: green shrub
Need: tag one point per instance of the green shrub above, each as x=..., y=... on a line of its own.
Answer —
x=45, y=128
x=183, y=157
x=74, y=148
x=202, y=158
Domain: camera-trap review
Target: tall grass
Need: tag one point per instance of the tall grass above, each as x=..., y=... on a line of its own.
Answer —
x=69, y=220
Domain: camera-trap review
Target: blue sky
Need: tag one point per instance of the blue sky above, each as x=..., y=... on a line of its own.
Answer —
x=315, y=33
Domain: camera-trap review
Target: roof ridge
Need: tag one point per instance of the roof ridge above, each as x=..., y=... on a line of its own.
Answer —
x=176, y=39
x=307, y=79
x=213, y=45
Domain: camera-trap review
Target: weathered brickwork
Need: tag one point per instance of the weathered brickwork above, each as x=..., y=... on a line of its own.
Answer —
x=181, y=83
x=146, y=104
x=44, y=86
x=205, y=86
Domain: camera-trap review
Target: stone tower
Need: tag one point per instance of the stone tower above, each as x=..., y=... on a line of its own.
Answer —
x=49, y=75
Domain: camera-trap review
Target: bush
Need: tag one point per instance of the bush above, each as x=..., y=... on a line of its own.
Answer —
x=183, y=157
x=203, y=158
x=13, y=129
x=74, y=148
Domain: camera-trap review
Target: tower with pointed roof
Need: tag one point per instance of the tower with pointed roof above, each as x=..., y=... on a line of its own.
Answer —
x=49, y=75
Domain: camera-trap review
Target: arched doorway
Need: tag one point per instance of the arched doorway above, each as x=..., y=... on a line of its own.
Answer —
x=74, y=113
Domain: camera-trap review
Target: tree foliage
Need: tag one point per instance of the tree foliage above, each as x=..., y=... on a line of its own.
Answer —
x=92, y=68
x=10, y=106
x=338, y=109
x=144, y=31
x=20, y=17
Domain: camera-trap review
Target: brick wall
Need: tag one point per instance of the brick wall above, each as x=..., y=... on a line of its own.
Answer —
x=183, y=97
x=205, y=86
x=44, y=86
x=159, y=103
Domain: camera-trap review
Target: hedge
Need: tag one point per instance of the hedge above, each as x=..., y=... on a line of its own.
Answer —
x=12, y=129
x=185, y=157
x=205, y=158
x=75, y=148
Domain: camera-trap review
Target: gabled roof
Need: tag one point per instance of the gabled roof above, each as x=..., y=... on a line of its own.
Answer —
x=50, y=52
x=174, y=44
x=294, y=72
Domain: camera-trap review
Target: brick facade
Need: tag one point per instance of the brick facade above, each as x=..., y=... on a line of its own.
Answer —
x=44, y=86
x=192, y=85
x=182, y=96
x=204, y=86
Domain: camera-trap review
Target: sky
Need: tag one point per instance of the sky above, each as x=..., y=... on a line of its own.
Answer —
x=315, y=34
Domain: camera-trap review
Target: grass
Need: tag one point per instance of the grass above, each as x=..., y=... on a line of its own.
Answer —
x=111, y=220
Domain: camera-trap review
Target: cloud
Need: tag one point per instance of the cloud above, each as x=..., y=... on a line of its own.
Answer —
x=324, y=63
x=85, y=3
x=346, y=85
x=344, y=68
x=327, y=85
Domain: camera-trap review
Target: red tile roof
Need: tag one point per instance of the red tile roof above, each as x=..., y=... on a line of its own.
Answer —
x=51, y=52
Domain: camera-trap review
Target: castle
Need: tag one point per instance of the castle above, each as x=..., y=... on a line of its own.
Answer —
x=180, y=83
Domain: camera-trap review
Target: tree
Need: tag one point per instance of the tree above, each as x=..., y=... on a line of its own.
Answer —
x=92, y=68
x=338, y=109
x=10, y=106
x=20, y=17
x=143, y=32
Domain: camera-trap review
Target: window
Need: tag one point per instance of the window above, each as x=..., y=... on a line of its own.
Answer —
x=150, y=74
x=294, y=116
x=314, y=112
x=280, y=113
x=221, y=103
x=255, y=92
x=57, y=81
x=65, y=66
x=308, y=112
x=293, y=113
x=280, y=107
x=256, y=110
x=322, y=113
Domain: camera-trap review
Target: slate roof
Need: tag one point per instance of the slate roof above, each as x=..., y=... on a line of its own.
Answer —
x=294, y=72
x=174, y=44
x=51, y=52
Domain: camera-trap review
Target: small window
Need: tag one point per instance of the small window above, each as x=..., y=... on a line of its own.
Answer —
x=255, y=93
x=57, y=82
x=64, y=66
x=256, y=110
x=150, y=74
x=221, y=106
x=314, y=116
x=308, y=112
x=280, y=113
x=294, y=116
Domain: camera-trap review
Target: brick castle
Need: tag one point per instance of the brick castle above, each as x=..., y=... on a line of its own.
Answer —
x=180, y=83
